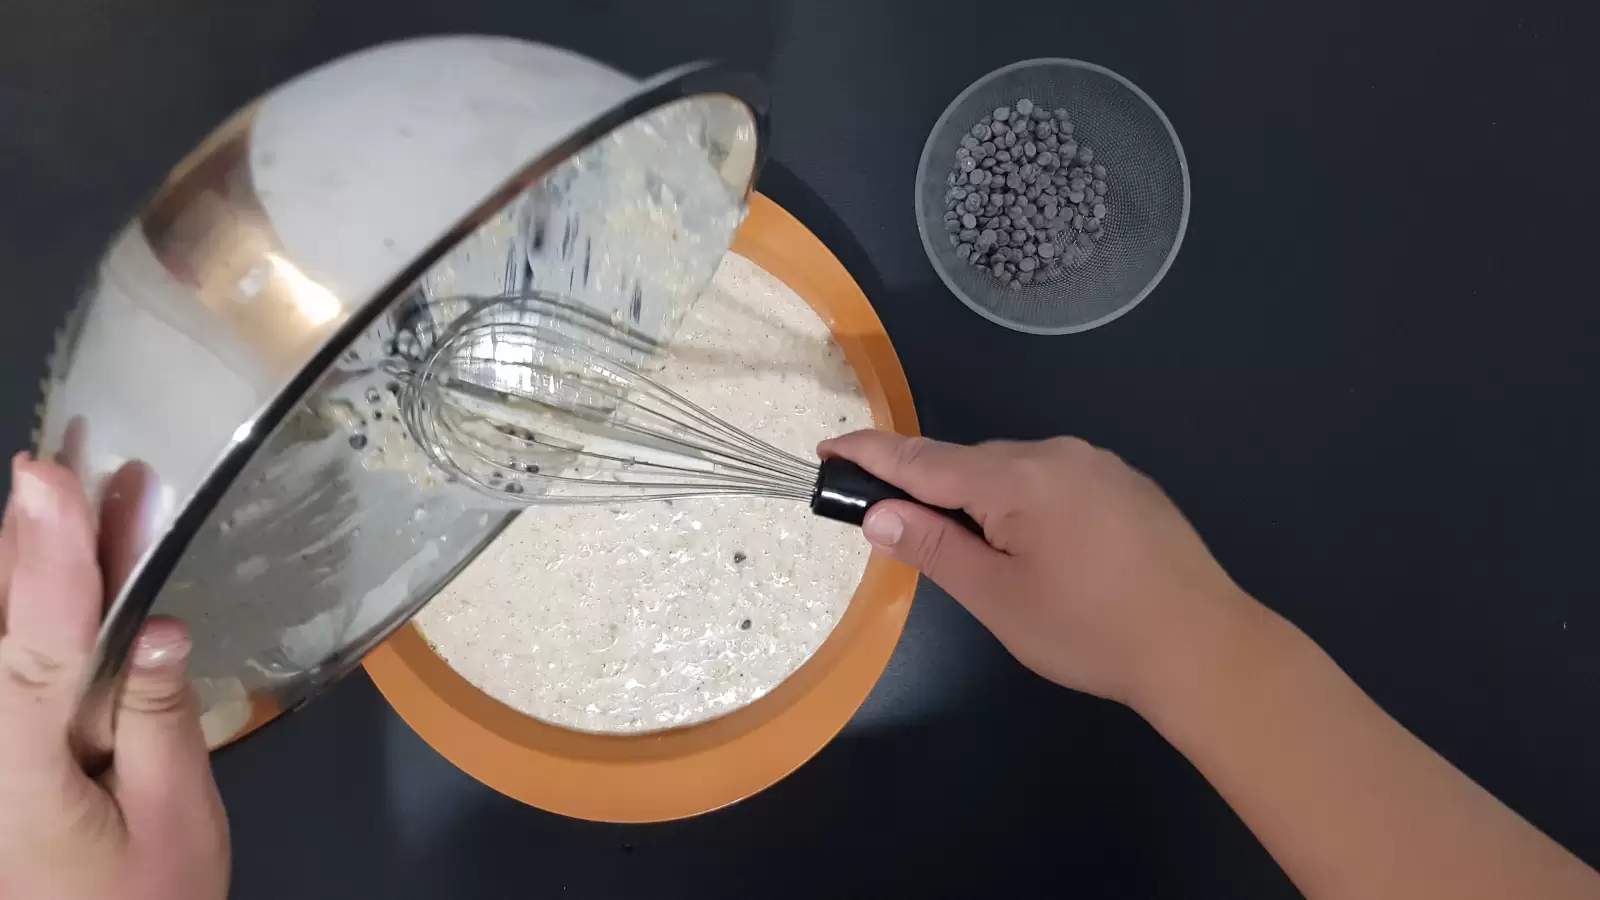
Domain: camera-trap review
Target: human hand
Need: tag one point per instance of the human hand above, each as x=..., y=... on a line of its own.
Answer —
x=150, y=828
x=1090, y=577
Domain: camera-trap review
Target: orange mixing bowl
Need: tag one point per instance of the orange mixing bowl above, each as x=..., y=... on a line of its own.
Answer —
x=686, y=771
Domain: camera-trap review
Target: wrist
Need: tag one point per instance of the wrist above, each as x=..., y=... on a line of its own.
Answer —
x=1224, y=636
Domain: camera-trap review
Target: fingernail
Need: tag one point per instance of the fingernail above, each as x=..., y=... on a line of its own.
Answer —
x=34, y=498
x=159, y=648
x=883, y=528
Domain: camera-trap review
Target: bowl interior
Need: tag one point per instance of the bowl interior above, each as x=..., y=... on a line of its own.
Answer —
x=686, y=771
x=1148, y=197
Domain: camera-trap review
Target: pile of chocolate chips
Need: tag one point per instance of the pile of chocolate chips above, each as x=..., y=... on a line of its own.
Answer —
x=1026, y=199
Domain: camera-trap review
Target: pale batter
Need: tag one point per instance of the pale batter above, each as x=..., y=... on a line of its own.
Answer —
x=655, y=615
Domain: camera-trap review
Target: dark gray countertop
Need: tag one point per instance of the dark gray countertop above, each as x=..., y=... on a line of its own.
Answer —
x=1370, y=379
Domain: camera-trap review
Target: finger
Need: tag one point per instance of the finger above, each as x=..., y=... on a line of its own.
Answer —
x=52, y=614
x=949, y=475
x=955, y=558
x=127, y=510
x=73, y=440
x=162, y=766
x=8, y=551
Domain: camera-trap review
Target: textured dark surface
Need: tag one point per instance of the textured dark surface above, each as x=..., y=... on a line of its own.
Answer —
x=1370, y=378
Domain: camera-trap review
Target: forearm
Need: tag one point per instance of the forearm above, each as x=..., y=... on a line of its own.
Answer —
x=1345, y=799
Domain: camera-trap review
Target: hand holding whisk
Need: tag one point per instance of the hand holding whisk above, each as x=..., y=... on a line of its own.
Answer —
x=537, y=401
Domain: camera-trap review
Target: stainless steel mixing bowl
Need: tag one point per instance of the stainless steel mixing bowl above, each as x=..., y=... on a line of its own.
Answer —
x=219, y=388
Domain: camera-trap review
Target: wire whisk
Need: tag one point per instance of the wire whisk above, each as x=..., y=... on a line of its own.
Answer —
x=535, y=400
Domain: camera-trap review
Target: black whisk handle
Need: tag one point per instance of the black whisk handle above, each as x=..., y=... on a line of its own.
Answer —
x=844, y=492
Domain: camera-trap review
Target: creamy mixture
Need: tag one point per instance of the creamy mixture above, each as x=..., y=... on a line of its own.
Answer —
x=654, y=615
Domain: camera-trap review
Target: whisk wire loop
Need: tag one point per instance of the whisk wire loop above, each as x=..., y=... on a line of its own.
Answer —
x=533, y=400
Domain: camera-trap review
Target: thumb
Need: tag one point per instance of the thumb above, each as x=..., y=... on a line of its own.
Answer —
x=955, y=558
x=160, y=749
